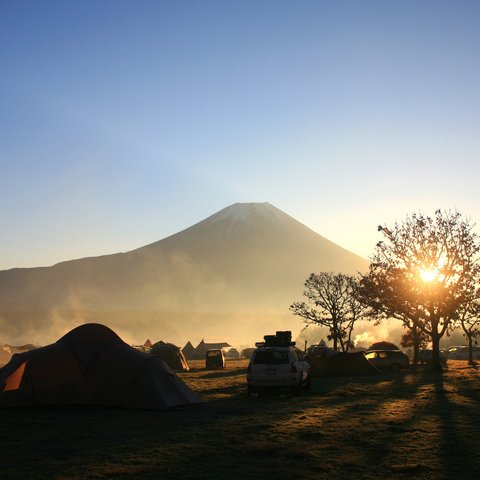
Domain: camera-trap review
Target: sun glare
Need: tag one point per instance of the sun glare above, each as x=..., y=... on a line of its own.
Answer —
x=428, y=275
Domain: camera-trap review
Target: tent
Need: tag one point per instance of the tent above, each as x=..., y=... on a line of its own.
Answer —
x=171, y=354
x=5, y=354
x=91, y=365
x=201, y=349
x=187, y=350
x=341, y=365
x=247, y=352
x=383, y=346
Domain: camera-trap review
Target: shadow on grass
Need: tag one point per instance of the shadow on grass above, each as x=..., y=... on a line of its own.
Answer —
x=405, y=425
x=328, y=385
x=458, y=442
x=223, y=373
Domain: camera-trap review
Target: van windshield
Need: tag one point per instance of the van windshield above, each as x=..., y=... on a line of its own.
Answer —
x=271, y=357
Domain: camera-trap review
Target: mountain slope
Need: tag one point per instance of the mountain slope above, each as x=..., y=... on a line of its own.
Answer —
x=246, y=258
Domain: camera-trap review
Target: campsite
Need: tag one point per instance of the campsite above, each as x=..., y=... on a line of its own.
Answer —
x=182, y=179
x=411, y=424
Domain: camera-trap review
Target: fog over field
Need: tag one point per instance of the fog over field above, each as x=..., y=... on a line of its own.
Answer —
x=125, y=122
x=229, y=277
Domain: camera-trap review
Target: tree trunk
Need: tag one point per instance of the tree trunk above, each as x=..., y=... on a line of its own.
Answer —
x=470, y=350
x=436, y=363
x=349, y=337
x=416, y=344
x=333, y=333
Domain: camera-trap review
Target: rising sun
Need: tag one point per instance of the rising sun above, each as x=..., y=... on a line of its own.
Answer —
x=428, y=275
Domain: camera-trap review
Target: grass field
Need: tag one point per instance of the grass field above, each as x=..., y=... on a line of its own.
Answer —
x=418, y=425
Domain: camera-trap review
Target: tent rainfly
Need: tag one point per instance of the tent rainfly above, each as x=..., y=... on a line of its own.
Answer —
x=187, y=350
x=341, y=364
x=201, y=349
x=171, y=354
x=91, y=365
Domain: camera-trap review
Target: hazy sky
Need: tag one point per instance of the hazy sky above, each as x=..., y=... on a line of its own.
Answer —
x=122, y=122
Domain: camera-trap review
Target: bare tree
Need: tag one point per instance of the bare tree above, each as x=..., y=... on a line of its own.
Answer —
x=425, y=273
x=332, y=302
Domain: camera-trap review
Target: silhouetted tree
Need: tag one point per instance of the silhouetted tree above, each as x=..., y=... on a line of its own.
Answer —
x=425, y=273
x=332, y=302
x=377, y=290
x=416, y=339
x=469, y=320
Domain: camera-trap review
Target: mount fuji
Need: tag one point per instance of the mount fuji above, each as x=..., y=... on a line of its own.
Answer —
x=247, y=261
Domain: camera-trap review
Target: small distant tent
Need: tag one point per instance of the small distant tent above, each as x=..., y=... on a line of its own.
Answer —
x=320, y=350
x=383, y=346
x=341, y=365
x=231, y=353
x=247, y=352
x=148, y=344
x=22, y=348
x=187, y=350
x=5, y=354
x=92, y=365
x=201, y=349
x=171, y=354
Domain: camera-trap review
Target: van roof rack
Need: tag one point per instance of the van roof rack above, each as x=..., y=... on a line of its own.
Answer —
x=280, y=339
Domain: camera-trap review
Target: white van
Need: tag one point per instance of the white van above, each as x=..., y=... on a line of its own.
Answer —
x=278, y=367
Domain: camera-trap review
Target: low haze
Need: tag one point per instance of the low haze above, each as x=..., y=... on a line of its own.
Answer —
x=230, y=277
x=125, y=122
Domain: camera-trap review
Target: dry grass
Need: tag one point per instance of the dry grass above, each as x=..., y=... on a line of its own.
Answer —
x=418, y=425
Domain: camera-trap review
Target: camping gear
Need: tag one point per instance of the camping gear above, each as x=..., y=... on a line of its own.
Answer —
x=92, y=365
x=187, y=350
x=232, y=353
x=171, y=354
x=280, y=339
x=340, y=365
x=247, y=352
x=201, y=349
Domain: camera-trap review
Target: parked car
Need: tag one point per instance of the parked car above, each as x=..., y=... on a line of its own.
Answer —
x=278, y=367
x=425, y=357
x=214, y=359
x=460, y=352
x=392, y=360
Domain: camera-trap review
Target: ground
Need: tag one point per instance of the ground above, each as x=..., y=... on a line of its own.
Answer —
x=414, y=424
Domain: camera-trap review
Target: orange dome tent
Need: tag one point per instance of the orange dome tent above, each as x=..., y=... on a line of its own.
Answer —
x=92, y=365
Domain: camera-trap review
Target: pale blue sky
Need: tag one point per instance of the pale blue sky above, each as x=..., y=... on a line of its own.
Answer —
x=122, y=122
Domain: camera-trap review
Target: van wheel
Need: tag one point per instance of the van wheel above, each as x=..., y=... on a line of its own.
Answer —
x=308, y=385
x=395, y=367
x=297, y=389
